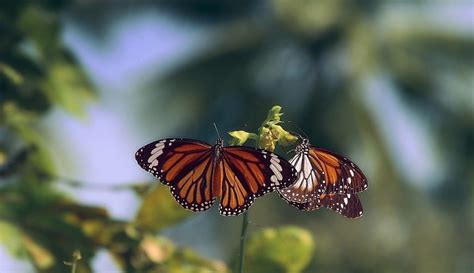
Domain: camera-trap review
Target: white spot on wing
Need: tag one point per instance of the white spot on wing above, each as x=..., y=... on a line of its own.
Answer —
x=276, y=172
x=274, y=179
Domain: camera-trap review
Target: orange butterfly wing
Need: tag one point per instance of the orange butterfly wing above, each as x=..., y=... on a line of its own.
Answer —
x=249, y=173
x=187, y=166
x=340, y=174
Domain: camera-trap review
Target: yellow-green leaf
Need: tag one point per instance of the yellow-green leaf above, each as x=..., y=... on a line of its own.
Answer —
x=41, y=256
x=11, y=73
x=3, y=157
x=188, y=261
x=159, y=209
x=10, y=237
x=67, y=86
x=283, y=250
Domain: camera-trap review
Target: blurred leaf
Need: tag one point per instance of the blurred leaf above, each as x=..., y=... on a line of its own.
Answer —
x=311, y=18
x=11, y=73
x=42, y=27
x=158, y=249
x=17, y=117
x=282, y=250
x=187, y=261
x=103, y=232
x=159, y=209
x=10, y=237
x=22, y=124
x=3, y=158
x=41, y=256
x=67, y=86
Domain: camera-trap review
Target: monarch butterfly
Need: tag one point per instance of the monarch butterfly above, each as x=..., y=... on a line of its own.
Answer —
x=348, y=205
x=197, y=173
x=324, y=179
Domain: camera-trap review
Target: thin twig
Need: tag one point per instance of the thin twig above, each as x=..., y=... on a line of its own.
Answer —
x=76, y=256
x=92, y=186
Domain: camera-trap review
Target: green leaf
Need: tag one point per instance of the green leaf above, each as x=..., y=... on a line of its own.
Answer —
x=9, y=72
x=188, y=261
x=41, y=27
x=3, y=158
x=22, y=122
x=10, y=238
x=67, y=86
x=159, y=210
x=283, y=250
x=41, y=256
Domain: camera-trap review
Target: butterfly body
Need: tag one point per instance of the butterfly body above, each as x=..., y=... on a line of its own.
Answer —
x=325, y=179
x=197, y=173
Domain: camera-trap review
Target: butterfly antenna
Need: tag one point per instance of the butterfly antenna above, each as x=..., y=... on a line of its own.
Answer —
x=217, y=131
x=299, y=129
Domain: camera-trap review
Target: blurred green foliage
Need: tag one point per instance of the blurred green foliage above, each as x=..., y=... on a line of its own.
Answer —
x=282, y=250
x=337, y=47
x=38, y=73
x=159, y=209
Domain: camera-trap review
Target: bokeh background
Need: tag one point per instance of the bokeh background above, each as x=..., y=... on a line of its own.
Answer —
x=85, y=83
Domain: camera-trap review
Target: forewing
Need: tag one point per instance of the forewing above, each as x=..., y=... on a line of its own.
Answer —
x=250, y=173
x=340, y=174
x=186, y=165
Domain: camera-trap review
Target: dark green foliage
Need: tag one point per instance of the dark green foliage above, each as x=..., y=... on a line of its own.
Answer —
x=37, y=221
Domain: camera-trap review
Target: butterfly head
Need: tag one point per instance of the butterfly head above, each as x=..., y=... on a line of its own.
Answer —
x=218, y=147
x=220, y=143
x=303, y=146
x=305, y=142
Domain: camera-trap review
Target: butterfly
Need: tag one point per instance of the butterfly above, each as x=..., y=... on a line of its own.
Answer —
x=324, y=179
x=197, y=173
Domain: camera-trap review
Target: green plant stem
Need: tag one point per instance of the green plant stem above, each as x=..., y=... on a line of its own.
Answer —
x=243, y=235
x=73, y=270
